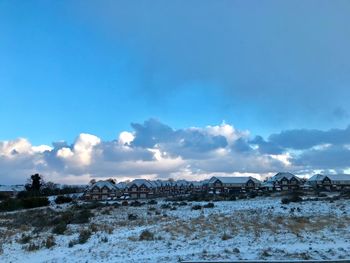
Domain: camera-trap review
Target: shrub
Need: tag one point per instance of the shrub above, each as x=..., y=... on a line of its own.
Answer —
x=322, y=195
x=32, y=247
x=61, y=199
x=116, y=205
x=25, y=239
x=165, y=206
x=285, y=200
x=84, y=236
x=196, y=207
x=182, y=203
x=125, y=203
x=152, y=202
x=132, y=217
x=232, y=198
x=209, y=205
x=4, y=196
x=60, y=228
x=292, y=198
x=32, y=202
x=10, y=205
x=225, y=236
x=72, y=243
x=136, y=203
x=82, y=217
x=146, y=235
x=152, y=208
x=50, y=242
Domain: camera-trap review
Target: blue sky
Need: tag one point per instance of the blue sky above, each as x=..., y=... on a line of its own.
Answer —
x=95, y=67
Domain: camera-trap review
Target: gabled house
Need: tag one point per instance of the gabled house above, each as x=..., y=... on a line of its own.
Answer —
x=233, y=184
x=11, y=190
x=330, y=182
x=181, y=187
x=283, y=181
x=141, y=188
x=102, y=190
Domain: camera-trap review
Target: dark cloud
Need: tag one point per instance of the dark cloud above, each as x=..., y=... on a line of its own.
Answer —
x=266, y=147
x=188, y=143
x=157, y=150
x=334, y=157
x=290, y=65
x=301, y=139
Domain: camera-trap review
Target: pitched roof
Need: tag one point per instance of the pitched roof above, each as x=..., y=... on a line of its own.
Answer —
x=339, y=177
x=11, y=188
x=332, y=177
x=181, y=183
x=316, y=177
x=233, y=179
x=101, y=184
x=282, y=175
x=121, y=185
x=139, y=182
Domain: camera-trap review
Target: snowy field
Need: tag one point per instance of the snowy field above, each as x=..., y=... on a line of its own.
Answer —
x=259, y=228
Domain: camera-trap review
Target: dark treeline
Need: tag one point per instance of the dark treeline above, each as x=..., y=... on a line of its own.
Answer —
x=36, y=193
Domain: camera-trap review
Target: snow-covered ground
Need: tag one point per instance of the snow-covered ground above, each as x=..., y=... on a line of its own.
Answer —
x=259, y=228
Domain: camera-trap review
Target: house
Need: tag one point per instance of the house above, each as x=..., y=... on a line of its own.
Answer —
x=181, y=187
x=330, y=182
x=141, y=188
x=11, y=190
x=102, y=190
x=283, y=181
x=234, y=184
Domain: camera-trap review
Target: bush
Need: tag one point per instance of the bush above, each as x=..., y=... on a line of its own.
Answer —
x=4, y=196
x=84, y=236
x=60, y=228
x=25, y=239
x=50, y=242
x=182, y=203
x=72, y=243
x=136, y=203
x=152, y=202
x=61, y=199
x=132, y=217
x=292, y=198
x=209, y=205
x=165, y=206
x=285, y=200
x=125, y=203
x=225, y=236
x=196, y=207
x=82, y=217
x=32, y=202
x=146, y=235
x=32, y=247
x=10, y=205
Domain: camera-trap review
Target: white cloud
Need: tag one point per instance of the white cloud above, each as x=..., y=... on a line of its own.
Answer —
x=160, y=152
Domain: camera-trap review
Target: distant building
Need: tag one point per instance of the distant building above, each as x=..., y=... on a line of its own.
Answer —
x=283, y=182
x=141, y=188
x=103, y=190
x=330, y=182
x=11, y=190
x=234, y=184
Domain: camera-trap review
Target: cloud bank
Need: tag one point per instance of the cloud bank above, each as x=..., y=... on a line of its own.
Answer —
x=155, y=150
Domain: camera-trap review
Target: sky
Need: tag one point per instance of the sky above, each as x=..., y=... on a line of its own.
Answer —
x=173, y=89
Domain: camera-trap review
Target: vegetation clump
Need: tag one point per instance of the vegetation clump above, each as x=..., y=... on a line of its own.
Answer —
x=146, y=235
x=61, y=199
